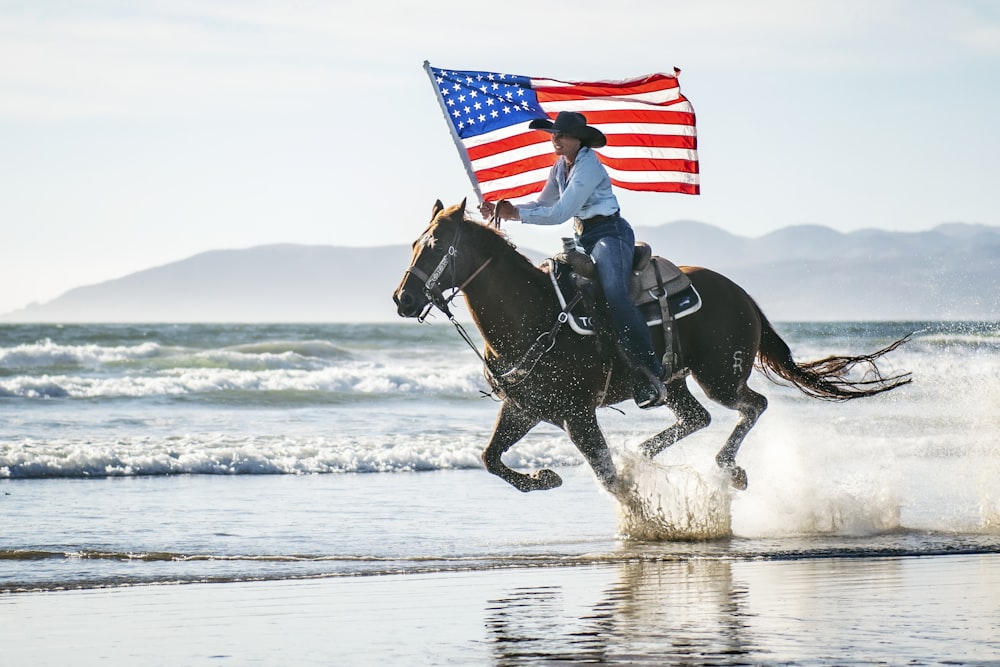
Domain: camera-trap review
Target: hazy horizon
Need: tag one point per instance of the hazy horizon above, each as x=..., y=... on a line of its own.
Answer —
x=796, y=273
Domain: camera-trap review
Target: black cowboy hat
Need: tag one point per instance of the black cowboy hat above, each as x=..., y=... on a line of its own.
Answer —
x=575, y=125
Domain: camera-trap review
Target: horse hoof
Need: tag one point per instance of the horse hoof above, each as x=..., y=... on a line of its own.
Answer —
x=546, y=479
x=737, y=477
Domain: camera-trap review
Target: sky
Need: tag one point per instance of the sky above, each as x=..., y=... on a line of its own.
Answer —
x=135, y=133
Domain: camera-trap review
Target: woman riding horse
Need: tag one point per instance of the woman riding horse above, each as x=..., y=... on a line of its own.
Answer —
x=545, y=373
x=579, y=186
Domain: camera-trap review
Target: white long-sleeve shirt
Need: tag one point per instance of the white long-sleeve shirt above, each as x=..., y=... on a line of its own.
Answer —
x=582, y=193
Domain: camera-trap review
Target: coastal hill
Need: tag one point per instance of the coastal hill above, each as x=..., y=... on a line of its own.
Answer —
x=802, y=273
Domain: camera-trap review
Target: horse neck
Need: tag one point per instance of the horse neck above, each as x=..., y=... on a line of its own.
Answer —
x=511, y=303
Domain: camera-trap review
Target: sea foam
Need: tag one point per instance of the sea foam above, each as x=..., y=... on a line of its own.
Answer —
x=262, y=455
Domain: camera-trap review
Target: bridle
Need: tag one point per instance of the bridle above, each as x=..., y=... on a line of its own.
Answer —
x=435, y=295
x=432, y=290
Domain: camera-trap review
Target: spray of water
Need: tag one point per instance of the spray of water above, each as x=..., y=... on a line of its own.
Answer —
x=923, y=458
x=671, y=502
x=807, y=481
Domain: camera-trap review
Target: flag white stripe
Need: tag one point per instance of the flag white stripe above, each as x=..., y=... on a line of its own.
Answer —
x=653, y=176
x=497, y=135
x=653, y=153
x=646, y=128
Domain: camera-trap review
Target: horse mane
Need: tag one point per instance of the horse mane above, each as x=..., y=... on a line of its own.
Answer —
x=495, y=243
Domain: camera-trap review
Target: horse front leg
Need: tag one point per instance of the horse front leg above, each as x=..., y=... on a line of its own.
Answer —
x=586, y=434
x=512, y=425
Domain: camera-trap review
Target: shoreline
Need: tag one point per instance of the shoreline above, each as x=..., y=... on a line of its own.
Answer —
x=732, y=550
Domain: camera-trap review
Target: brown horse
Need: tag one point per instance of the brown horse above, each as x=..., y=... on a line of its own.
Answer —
x=546, y=373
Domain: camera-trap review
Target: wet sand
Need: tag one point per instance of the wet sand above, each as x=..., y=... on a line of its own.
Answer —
x=913, y=610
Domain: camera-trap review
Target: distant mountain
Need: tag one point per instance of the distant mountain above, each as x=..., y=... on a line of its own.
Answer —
x=815, y=273
x=796, y=273
x=261, y=284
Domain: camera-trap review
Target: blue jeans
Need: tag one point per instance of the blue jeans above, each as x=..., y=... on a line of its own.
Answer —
x=611, y=244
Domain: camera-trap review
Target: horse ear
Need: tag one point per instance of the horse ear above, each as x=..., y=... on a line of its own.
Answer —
x=438, y=207
x=460, y=210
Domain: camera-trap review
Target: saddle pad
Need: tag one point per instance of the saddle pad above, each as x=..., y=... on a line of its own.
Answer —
x=679, y=304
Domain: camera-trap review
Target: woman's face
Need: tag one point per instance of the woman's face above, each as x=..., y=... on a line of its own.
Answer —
x=565, y=145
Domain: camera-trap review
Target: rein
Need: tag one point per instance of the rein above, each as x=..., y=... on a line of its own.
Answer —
x=526, y=364
x=495, y=218
x=523, y=368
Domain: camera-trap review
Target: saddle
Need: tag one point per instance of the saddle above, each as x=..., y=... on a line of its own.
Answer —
x=661, y=291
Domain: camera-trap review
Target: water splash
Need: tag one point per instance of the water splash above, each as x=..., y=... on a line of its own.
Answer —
x=676, y=502
x=989, y=513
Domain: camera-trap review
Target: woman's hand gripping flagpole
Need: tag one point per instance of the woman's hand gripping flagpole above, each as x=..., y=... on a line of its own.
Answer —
x=502, y=210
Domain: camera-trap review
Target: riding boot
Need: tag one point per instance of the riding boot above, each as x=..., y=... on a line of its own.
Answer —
x=647, y=389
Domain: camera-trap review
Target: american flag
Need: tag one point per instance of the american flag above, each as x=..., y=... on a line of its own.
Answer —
x=650, y=127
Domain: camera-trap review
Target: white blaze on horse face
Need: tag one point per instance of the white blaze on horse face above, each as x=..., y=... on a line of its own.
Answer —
x=427, y=241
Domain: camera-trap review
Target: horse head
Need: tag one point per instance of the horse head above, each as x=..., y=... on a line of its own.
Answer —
x=434, y=266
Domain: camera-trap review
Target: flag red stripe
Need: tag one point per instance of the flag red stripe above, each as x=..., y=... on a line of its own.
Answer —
x=683, y=188
x=513, y=193
x=646, y=164
x=653, y=83
x=529, y=138
x=653, y=141
x=654, y=116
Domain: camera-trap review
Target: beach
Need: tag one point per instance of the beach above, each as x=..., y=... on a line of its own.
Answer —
x=312, y=494
x=470, y=572
x=839, y=611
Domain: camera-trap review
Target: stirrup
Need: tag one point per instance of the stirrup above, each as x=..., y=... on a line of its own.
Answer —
x=646, y=399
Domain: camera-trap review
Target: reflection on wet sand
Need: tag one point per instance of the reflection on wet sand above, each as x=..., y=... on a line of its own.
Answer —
x=691, y=610
x=721, y=612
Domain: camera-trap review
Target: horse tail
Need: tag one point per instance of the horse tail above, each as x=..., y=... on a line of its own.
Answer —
x=826, y=379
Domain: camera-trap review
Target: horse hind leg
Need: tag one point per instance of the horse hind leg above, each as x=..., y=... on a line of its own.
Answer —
x=750, y=405
x=691, y=416
x=512, y=425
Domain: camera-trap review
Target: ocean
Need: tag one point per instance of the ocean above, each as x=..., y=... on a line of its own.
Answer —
x=133, y=455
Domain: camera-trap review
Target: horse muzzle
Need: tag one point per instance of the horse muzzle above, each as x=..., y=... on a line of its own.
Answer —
x=410, y=299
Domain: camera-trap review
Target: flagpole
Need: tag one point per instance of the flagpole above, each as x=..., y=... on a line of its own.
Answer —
x=454, y=134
